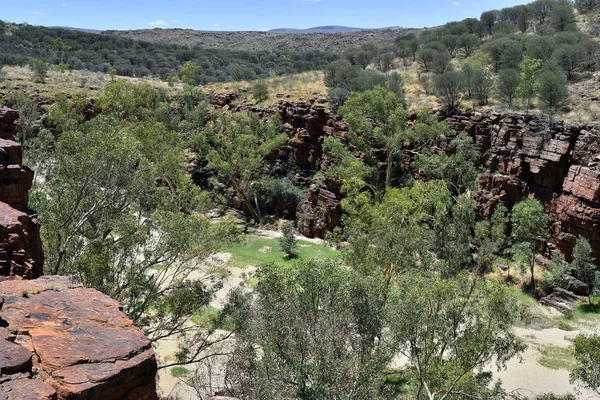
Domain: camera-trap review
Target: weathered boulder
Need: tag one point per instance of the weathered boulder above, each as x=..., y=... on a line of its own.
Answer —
x=573, y=285
x=14, y=358
x=84, y=345
x=562, y=300
x=22, y=387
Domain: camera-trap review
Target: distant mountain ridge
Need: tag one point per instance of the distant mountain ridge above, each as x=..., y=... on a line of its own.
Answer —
x=327, y=29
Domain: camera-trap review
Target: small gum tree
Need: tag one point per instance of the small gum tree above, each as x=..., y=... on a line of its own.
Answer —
x=528, y=87
x=529, y=225
x=377, y=117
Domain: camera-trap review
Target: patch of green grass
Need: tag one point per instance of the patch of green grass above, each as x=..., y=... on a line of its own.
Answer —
x=565, y=326
x=178, y=372
x=159, y=267
x=256, y=250
x=208, y=317
x=555, y=357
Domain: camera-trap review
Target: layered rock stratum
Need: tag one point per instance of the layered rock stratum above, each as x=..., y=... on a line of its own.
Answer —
x=58, y=340
x=556, y=163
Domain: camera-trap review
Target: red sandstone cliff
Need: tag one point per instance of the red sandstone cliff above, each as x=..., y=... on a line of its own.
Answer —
x=57, y=340
x=558, y=164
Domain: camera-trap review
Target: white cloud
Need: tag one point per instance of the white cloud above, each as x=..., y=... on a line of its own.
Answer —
x=159, y=22
x=216, y=25
x=456, y=3
x=63, y=4
x=37, y=13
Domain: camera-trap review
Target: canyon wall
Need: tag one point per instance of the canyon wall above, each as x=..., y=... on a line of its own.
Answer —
x=58, y=340
x=556, y=163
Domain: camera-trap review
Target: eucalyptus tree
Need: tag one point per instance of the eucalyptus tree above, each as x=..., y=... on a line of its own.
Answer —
x=377, y=117
x=236, y=146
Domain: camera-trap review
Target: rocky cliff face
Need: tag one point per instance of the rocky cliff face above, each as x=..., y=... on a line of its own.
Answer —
x=558, y=164
x=58, y=340
x=524, y=156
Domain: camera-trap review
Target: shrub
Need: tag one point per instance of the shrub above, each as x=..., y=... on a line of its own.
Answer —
x=39, y=68
x=288, y=243
x=553, y=91
x=507, y=86
x=482, y=83
x=337, y=97
x=448, y=87
x=277, y=196
x=260, y=91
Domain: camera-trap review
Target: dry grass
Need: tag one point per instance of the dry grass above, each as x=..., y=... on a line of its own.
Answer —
x=297, y=87
x=72, y=83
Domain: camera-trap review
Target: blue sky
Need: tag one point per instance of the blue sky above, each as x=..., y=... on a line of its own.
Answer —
x=242, y=14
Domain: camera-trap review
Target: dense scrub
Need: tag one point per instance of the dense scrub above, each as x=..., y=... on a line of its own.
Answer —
x=103, y=53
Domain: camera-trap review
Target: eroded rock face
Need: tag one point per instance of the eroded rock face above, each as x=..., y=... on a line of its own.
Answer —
x=20, y=246
x=8, y=117
x=558, y=164
x=84, y=346
x=58, y=340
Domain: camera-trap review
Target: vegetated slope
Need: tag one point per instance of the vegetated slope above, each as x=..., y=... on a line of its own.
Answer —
x=97, y=31
x=264, y=41
x=100, y=53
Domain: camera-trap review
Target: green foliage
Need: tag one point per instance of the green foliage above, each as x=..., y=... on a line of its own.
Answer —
x=448, y=87
x=346, y=168
x=260, y=91
x=585, y=6
x=555, y=357
x=59, y=48
x=553, y=91
x=276, y=196
x=507, y=86
x=61, y=68
x=376, y=117
x=288, y=242
x=528, y=88
x=318, y=330
x=39, y=68
x=529, y=225
x=482, y=83
x=569, y=58
x=179, y=372
x=28, y=115
x=488, y=19
x=191, y=74
x=236, y=145
x=550, y=396
x=562, y=17
x=457, y=166
x=129, y=101
x=587, y=370
x=116, y=203
x=408, y=228
x=100, y=53
x=449, y=328
x=584, y=266
x=490, y=237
